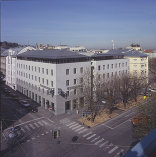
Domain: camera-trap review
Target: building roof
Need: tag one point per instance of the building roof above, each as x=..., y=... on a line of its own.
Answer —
x=51, y=54
x=127, y=52
x=14, y=50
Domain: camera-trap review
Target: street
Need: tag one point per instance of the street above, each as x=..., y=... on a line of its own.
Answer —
x=110, y=139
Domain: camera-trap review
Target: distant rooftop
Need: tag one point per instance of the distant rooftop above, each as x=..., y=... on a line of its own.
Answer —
x=51, y=54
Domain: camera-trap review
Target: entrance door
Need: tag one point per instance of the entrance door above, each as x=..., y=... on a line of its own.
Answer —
x=67, y=105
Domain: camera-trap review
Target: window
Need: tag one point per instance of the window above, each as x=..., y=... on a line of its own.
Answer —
x=81, y=80
x=35, y=78
x=29, y=67
x=35, y=68
x=32, y=77
x=119, y=65
x=32, y=68
x=51, y=83
x=47, y=82
x=108, y=66
x=51, y=72
x=99, y=67
x=43, y=80
x=122, y=64
x=104, y=76
x=67, y=71
x=81, y=70
x=116, y=65
x=38, y=79
x=67, y=82
x=47, y=71
x=74, y=70
x=42, y=70
x=107, y=75
x=67, y=92
x=112, y=66
x=26, y=75
x=29, y=76
x=74, y=81
x=103, y=67
x=39, y=69
x=26, y=67
x=74, y=91
x=112, y=74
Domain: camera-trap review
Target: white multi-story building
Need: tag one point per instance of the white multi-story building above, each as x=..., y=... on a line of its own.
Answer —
x=51, y=77
x=11, y=64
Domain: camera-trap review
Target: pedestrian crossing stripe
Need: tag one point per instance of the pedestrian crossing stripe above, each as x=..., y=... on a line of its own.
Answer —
x=99, y=141
x=79, y=129
x=87, y=134
x=76, y=127
x=88, y=138
x=112, y=150
x=80, y=132
x=73, y=125
x=103, y=144
x=41, y=123
x=36, y=125
x=26, y=126
x=45, y=122
x=70, y=124
x=95, y=139
x=31, y=126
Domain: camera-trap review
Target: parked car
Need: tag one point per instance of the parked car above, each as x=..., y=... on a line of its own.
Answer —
x=24, y=103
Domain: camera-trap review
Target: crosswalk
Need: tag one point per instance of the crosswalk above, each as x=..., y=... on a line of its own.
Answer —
x=31, y=127
x=93, y=138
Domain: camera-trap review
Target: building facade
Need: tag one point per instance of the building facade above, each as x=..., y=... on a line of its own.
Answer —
x=11, y=65
x=51, y=77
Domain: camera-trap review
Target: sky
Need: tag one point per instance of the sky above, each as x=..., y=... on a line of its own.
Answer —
x=89, y=23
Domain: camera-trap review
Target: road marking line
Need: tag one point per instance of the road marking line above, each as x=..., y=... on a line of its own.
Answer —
x=45, y=122
x=87, y=134
x=70, y=123
x=129, y=114
x=42, y=134
x=103, y=144
x=112, y=150
x=79, y=129
x=50, y=120
x=99, y=141
x=40, y=123
x=26, y=126
x=108, y=126
x=25, y=122
x=31, y=126
x=82, y=131
x=95, y=139
x=88, y=138
x=36, y=125
x=73, y=125
x=76, y=127
x=122, y=123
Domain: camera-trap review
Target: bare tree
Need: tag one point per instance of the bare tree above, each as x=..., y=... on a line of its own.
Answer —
x=112, y=95
x=124, y=83
x=136, y=85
